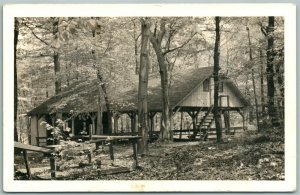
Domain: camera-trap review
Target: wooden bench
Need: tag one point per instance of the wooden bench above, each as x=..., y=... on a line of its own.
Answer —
x=26, y=147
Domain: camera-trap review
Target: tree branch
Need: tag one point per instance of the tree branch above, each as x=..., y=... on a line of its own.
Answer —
x=181, y=46
x=108, y=44
x=43, y=41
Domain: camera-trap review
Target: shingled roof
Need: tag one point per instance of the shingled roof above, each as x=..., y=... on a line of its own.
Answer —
x=82, y=97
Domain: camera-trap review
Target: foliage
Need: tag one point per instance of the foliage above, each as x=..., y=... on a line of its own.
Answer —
x=114, y=55
x=58, y=132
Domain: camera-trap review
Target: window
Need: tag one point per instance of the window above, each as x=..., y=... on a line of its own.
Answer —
x=206, y=85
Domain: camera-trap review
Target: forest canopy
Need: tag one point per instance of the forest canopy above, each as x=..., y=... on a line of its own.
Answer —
x=54, y=53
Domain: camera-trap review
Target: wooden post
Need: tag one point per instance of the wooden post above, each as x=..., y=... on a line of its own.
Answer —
x=135, y=152
x=226, y=121
x=116, y=118
x=194, y=115
x=132, y=117
x=37, y=141
x=94, y=126
x=243, y=116
x=151, y=117
x=111, y=150
x=73, y=125
x=52, y=166
x=37, y=130
x=90, y=156
x=27, y=164
x=122, y=124
x=90, y=132
x=181, y=125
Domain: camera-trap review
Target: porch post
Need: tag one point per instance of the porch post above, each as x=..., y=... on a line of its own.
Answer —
x=37, y=130
x=116, y=118
x=181, y=125
x=132, y=116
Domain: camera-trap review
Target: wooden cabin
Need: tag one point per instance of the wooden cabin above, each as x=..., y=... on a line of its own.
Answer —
x=191, y=92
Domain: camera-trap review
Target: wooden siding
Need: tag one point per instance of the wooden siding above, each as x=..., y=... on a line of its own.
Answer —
x=34, y=125
x=33, y=129
x=200, y=98
x=233, y=100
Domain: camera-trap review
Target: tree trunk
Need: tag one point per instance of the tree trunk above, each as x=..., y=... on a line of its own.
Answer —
x=56, y=72
x=107, y=103
x=56, y=60
x=143, y=89
x=99, y=130
x=16, y=34
x=216, y=110
x=166, y=113
x=262, y=94
x=136, y=58
x=280, y=80
x=270, y=72
x=253, y=81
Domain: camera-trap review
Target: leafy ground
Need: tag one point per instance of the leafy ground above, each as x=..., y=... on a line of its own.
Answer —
x=247, y=156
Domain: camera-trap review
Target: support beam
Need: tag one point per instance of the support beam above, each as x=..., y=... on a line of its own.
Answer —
x=151, y=116
x=181, y=125
x=243, y=116
x=116, y=117
x=93, y=117
x=37, y=129
x=194, y=115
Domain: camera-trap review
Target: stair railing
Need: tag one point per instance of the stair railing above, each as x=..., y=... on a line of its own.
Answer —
x=202, y=121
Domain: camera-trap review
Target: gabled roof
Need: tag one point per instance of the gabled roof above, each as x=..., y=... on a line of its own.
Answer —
x=181, y=86
x=82, y=97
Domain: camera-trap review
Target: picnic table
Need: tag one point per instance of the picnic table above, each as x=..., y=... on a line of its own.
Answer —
x=26, y=147
x=98, y=139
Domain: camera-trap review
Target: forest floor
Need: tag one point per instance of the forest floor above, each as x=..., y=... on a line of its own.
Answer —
x=245, y=156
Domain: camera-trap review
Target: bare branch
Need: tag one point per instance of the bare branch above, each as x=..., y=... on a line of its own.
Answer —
x=108, y=44
x=181, y=46
x=43, y=41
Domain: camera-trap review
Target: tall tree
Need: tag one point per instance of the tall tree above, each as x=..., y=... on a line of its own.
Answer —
x=16, y=34
x=262, y=93
x=56, y=56
x=253, y=79
x=94, y=25
x=156, y=39
x=216, y=110
x=270, y=72
x=161, y=51
x=143, y=87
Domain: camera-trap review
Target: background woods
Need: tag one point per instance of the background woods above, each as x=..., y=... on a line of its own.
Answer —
x=113, y=54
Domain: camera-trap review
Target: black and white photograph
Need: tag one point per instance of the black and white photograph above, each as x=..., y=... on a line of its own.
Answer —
x=150, y=101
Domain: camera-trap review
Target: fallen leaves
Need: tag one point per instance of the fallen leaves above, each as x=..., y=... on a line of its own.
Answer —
x=235, y=160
